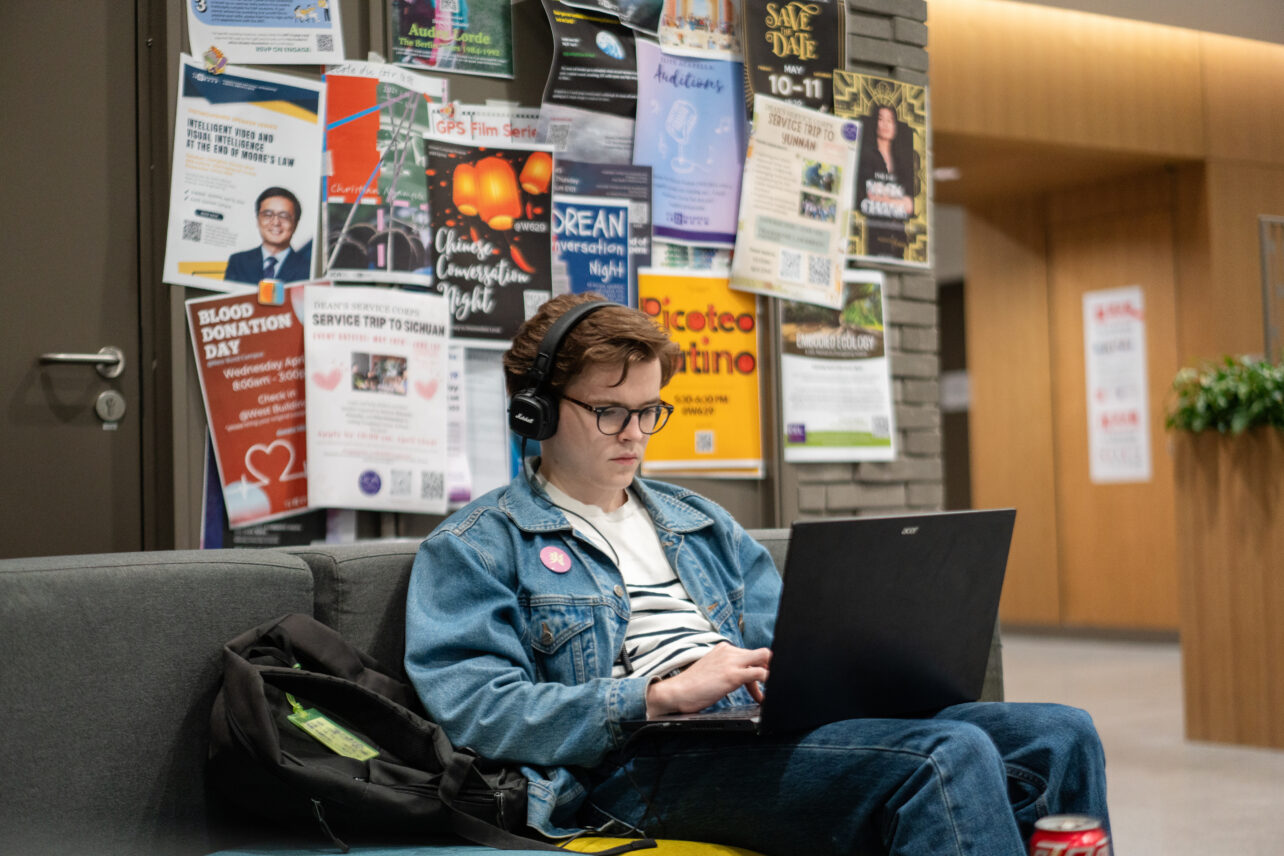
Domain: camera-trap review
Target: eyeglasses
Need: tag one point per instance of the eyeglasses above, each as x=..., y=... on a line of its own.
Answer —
x=614, y=418
x=283, y=216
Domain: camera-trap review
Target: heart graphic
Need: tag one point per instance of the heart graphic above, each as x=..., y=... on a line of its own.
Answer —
x=426, y=389
x=272, y=462
x=327, y=380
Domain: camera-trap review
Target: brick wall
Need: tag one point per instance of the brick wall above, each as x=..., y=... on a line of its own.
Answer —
x=888, y=38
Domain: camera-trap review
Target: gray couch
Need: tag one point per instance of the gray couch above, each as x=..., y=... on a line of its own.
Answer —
x=111, y=664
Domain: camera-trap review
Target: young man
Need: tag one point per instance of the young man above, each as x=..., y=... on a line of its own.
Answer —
x=277, y=211
x=546, y=613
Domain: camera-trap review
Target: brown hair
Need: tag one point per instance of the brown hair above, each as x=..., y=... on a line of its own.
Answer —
x=614, y=336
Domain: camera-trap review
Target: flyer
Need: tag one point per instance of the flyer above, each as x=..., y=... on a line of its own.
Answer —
x=614, y=181
x=889, y=214
x=249, y=360
x=459, y=481
x=459, y=36
x=304, y=528
x=691, y=131
x=487, y=408
x=591, y=95
x=591, y=247
x=794, y=203
x=483, y=123
x=792, y=49
x=716, y=428
x=492, y=248
x=376, y=399
x=703, y=28
x=835, y=381
x=265, y=32
x=1118, y=386
x=247, y=165
x=641, y=15
x=377, y=222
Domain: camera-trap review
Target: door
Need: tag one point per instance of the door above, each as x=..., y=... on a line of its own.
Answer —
x=70, y=437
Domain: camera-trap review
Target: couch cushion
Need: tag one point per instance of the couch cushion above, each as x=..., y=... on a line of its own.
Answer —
x=360, y=591
x=111, y=664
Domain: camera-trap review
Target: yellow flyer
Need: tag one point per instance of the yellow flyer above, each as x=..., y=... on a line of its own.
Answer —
x=716, y=429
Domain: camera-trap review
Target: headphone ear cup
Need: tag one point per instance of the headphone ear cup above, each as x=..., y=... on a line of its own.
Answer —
x=533, y=414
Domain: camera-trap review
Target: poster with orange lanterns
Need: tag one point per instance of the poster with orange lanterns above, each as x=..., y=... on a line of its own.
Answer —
x=716, y=427
x=492, y=236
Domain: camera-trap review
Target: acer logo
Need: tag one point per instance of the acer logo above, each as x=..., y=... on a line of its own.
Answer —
x=909, y=530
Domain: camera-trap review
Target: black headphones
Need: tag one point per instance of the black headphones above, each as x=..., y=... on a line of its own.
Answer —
x=532, y=412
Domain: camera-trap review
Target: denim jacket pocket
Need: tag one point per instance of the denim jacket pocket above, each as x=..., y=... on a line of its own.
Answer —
x=558, y=639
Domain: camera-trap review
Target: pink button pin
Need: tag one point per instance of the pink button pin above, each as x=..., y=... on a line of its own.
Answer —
x=555, y=559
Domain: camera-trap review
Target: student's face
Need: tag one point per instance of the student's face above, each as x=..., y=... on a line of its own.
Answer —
x=589, y=465
x=277, y=221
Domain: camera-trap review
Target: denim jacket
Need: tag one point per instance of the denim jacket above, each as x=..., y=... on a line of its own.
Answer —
x=511, y=647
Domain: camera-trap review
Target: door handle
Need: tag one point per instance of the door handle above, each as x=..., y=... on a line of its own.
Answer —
x=109, y=361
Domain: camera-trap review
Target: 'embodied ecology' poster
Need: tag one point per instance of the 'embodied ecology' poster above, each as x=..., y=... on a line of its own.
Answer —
x=835, y=384
x=715, y=430
x=459, y=36
x=247, y=165
x=377, y=373
x=889, y=213
x=264, y=32
x=249, y=358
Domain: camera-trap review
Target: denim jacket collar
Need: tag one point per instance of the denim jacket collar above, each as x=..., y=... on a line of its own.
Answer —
x=531, y=511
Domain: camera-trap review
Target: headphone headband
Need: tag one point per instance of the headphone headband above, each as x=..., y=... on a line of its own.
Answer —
x=532, y=412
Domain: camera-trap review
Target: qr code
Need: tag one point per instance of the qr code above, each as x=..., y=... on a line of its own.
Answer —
x=880, y=427
x=559, y=135
x=191, y=230
x=790, y=266
x=533, y=300
x=432, y=485
x=820, y=270
x=325, y=43
x=704, y=442
x=399, y=483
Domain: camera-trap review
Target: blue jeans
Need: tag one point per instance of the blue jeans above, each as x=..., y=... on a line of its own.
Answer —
x=972, y=779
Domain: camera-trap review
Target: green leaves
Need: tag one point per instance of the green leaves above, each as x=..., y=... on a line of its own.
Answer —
x=1238, y=394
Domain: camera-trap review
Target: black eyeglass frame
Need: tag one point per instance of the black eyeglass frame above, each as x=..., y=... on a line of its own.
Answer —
x=598, y=410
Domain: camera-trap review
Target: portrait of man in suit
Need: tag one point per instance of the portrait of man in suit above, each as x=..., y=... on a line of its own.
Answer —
x=278, y=211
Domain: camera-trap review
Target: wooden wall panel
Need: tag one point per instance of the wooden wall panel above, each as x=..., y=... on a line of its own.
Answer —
x=1117, y=542
x=1243, y=99
x=1006, y=317
x=1019, y=71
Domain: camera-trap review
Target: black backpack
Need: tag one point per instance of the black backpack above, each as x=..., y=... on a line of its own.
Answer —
x=307, y=728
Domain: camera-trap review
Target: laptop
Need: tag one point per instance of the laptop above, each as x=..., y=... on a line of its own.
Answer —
x=879, y=616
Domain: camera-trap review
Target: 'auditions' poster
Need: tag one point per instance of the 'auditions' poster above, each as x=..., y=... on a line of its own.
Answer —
x=715, y=429
x=376, y=399
x=835, y=384
x=492, y=245
x=691, y=131
x=249, y=358
x=247, y=165
x=889, y=212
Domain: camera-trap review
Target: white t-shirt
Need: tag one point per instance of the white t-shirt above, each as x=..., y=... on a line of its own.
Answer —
x=666, y=630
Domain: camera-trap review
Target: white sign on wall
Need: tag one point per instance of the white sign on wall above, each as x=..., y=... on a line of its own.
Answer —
x=1114, y=341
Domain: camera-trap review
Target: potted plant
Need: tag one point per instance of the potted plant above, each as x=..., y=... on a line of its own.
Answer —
x=1228, y=422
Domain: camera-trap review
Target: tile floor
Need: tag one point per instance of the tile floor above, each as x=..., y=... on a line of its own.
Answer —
x=1168, y=796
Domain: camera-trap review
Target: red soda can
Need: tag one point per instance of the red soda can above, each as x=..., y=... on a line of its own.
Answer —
x=1069, y=835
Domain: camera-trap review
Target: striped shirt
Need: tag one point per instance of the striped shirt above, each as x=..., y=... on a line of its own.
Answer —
x=666, y=630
